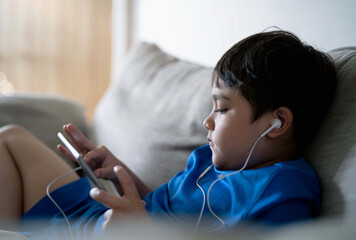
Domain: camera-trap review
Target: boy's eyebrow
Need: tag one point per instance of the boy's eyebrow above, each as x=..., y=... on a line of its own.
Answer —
x=219, y=96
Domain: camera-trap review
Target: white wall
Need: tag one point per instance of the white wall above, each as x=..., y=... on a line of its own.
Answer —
x=202, y=30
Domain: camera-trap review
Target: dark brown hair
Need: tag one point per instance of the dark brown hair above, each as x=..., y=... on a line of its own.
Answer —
x=274, y=69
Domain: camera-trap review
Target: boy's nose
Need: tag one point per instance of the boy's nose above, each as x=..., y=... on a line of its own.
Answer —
x=208, y=123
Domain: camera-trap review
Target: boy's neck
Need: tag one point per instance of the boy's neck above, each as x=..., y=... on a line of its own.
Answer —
x=270, y=163
x=288, y=155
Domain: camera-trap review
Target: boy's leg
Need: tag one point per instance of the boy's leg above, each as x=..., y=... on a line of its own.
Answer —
x=27, y=166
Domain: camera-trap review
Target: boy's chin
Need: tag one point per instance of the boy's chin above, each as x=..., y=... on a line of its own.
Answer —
x=217, y=163
x=223, y=166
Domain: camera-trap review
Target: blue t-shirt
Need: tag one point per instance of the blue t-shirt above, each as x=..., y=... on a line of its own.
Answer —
x=280, y=193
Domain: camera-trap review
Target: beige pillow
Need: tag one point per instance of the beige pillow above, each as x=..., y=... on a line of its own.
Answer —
x=333, y=152
x=151, y=117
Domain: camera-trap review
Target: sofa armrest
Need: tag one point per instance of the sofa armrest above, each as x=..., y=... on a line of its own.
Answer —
x=43, y=115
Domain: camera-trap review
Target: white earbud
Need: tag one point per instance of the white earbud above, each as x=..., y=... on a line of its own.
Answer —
x=276, y=123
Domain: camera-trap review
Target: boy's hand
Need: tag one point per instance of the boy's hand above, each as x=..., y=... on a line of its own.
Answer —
x=99, y=159
x=122, y=209
x=79, y=141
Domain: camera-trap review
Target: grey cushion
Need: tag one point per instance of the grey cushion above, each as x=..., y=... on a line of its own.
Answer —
x=43, y=115
x=151, y=117
x=333, y=152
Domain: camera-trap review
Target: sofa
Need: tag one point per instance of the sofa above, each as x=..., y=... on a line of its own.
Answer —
x=151, y=118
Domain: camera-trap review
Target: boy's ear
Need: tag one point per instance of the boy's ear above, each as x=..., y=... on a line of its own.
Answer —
x=285, y=115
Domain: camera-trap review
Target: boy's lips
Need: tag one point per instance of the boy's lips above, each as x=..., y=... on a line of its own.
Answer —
x=210, y=142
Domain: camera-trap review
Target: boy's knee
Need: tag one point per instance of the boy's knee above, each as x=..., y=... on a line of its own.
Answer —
x=12, y=130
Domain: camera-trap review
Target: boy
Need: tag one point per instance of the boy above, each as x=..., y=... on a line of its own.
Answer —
x=270, y=94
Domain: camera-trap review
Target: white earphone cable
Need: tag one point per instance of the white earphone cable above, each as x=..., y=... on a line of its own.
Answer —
x=202, y=190
x=221, y=176
x=54, y=202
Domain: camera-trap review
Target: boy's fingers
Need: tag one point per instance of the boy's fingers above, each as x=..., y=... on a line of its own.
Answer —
x=63, y=150
x=128, y=186
x=105, y=173
x=95, y=154
x=96, y=159
x=106, y=198
x=81, y=143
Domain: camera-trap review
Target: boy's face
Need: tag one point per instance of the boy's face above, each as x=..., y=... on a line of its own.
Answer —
x=231, y=130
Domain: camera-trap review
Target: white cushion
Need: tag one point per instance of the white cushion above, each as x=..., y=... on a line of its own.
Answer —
x=151, y=117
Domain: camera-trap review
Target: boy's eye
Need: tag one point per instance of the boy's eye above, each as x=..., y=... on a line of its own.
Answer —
x=220, y=110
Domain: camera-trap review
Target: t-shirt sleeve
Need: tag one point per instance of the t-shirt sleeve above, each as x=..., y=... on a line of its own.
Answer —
x=289, y=196
x=289, y=211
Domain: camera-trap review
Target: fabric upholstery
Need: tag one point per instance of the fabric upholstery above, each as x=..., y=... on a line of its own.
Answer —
x=151, y=117
x=43, y=115
x=333, y=152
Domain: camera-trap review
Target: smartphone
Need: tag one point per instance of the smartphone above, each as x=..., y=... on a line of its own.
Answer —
x=88, y=172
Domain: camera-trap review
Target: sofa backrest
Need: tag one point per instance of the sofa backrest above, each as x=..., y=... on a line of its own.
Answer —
x=333, y=151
